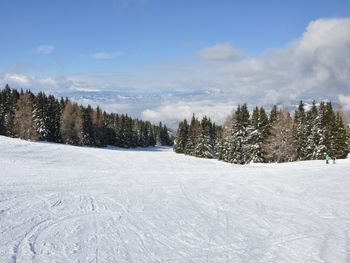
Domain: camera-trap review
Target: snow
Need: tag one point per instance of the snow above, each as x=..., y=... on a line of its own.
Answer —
x=62, y=203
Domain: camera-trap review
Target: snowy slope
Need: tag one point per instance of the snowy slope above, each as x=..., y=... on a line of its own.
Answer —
x=72, y=204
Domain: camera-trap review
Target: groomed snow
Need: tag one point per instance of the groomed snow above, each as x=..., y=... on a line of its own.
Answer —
x=62, y=203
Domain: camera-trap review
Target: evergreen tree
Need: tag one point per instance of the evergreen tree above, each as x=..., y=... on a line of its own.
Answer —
x=301, y=132
x=313, y=134
x=258, y=133
x=341, y=146
x=87, y=126
x=52, y=119
x=193, y=132
x=204, y=146
x=110, y=126
x=40, y=115
x=327, y=130
x=164, y=136
x=8, y=102
x=99, y=127
x=240, y=149
x=152, y=135
x=181, y=137
x=273, y=115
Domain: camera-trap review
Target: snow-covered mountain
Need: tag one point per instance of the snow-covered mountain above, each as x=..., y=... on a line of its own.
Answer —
x=63, y=203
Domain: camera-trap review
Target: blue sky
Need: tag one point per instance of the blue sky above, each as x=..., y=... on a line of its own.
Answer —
x=152, y=46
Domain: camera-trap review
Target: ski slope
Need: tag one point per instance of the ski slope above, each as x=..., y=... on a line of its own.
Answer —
x=63, y=203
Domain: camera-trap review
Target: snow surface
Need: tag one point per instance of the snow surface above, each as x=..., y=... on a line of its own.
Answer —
x=62, y=203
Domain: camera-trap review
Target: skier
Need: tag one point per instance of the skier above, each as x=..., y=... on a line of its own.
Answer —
x=327, y=158
x=333, y=158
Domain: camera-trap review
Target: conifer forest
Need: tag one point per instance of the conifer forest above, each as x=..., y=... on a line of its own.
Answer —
x=43, y=117
x=280, y=136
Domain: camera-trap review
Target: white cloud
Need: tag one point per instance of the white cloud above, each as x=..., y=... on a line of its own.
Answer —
x=173, y=111
x=45, y=49
x=105, y=55
x=344, y=102
x=17, y=79
x=48, y=81
x=220, y=52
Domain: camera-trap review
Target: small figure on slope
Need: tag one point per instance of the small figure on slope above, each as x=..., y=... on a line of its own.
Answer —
x=327, y=157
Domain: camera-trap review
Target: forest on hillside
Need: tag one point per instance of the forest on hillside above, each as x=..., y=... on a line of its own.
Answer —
x=43, y=117
x=308, y=134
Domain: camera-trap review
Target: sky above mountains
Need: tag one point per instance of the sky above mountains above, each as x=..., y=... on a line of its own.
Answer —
x=164, y=60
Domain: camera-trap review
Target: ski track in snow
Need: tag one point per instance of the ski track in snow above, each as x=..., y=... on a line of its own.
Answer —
x=62, y=203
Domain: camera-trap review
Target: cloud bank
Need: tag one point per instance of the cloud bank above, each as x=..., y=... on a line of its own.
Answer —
x=220, y=52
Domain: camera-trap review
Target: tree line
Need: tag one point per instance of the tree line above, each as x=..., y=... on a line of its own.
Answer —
x=247, y=137
x=43, y=117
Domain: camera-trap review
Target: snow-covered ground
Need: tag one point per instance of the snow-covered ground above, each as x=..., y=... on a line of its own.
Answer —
x=62, y=203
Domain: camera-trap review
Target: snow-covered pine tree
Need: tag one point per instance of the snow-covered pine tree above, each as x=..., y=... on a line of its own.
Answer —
x=204, y=146
x=181, y=137
x=257, y=133
x=341, y=146
x=327, y=118
x=164, y=136
x=8, y=102
x=301, y=132
x=40, y=115
x=193, y=134
x=239, y=148
x=2, y=114
x=152, y=134
x=143, y=134
x=313, y=134
x=52, y=119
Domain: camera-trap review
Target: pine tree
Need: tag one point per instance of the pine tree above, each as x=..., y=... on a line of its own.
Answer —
x=193, y=133
x=110, y=126
x=40, y=115
x=8, y=102
x=204, y=146
x=327, y=130
x=181, y=137
x=99, y=128
x=87, y=126
x=239, y=142
x=164, y=136
x=257, y=134
x=273, y=115
x=152, y=135
x=300, y=131
x=341, y=146
x=52, y=119
x=313, y=134
x=2, y=114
